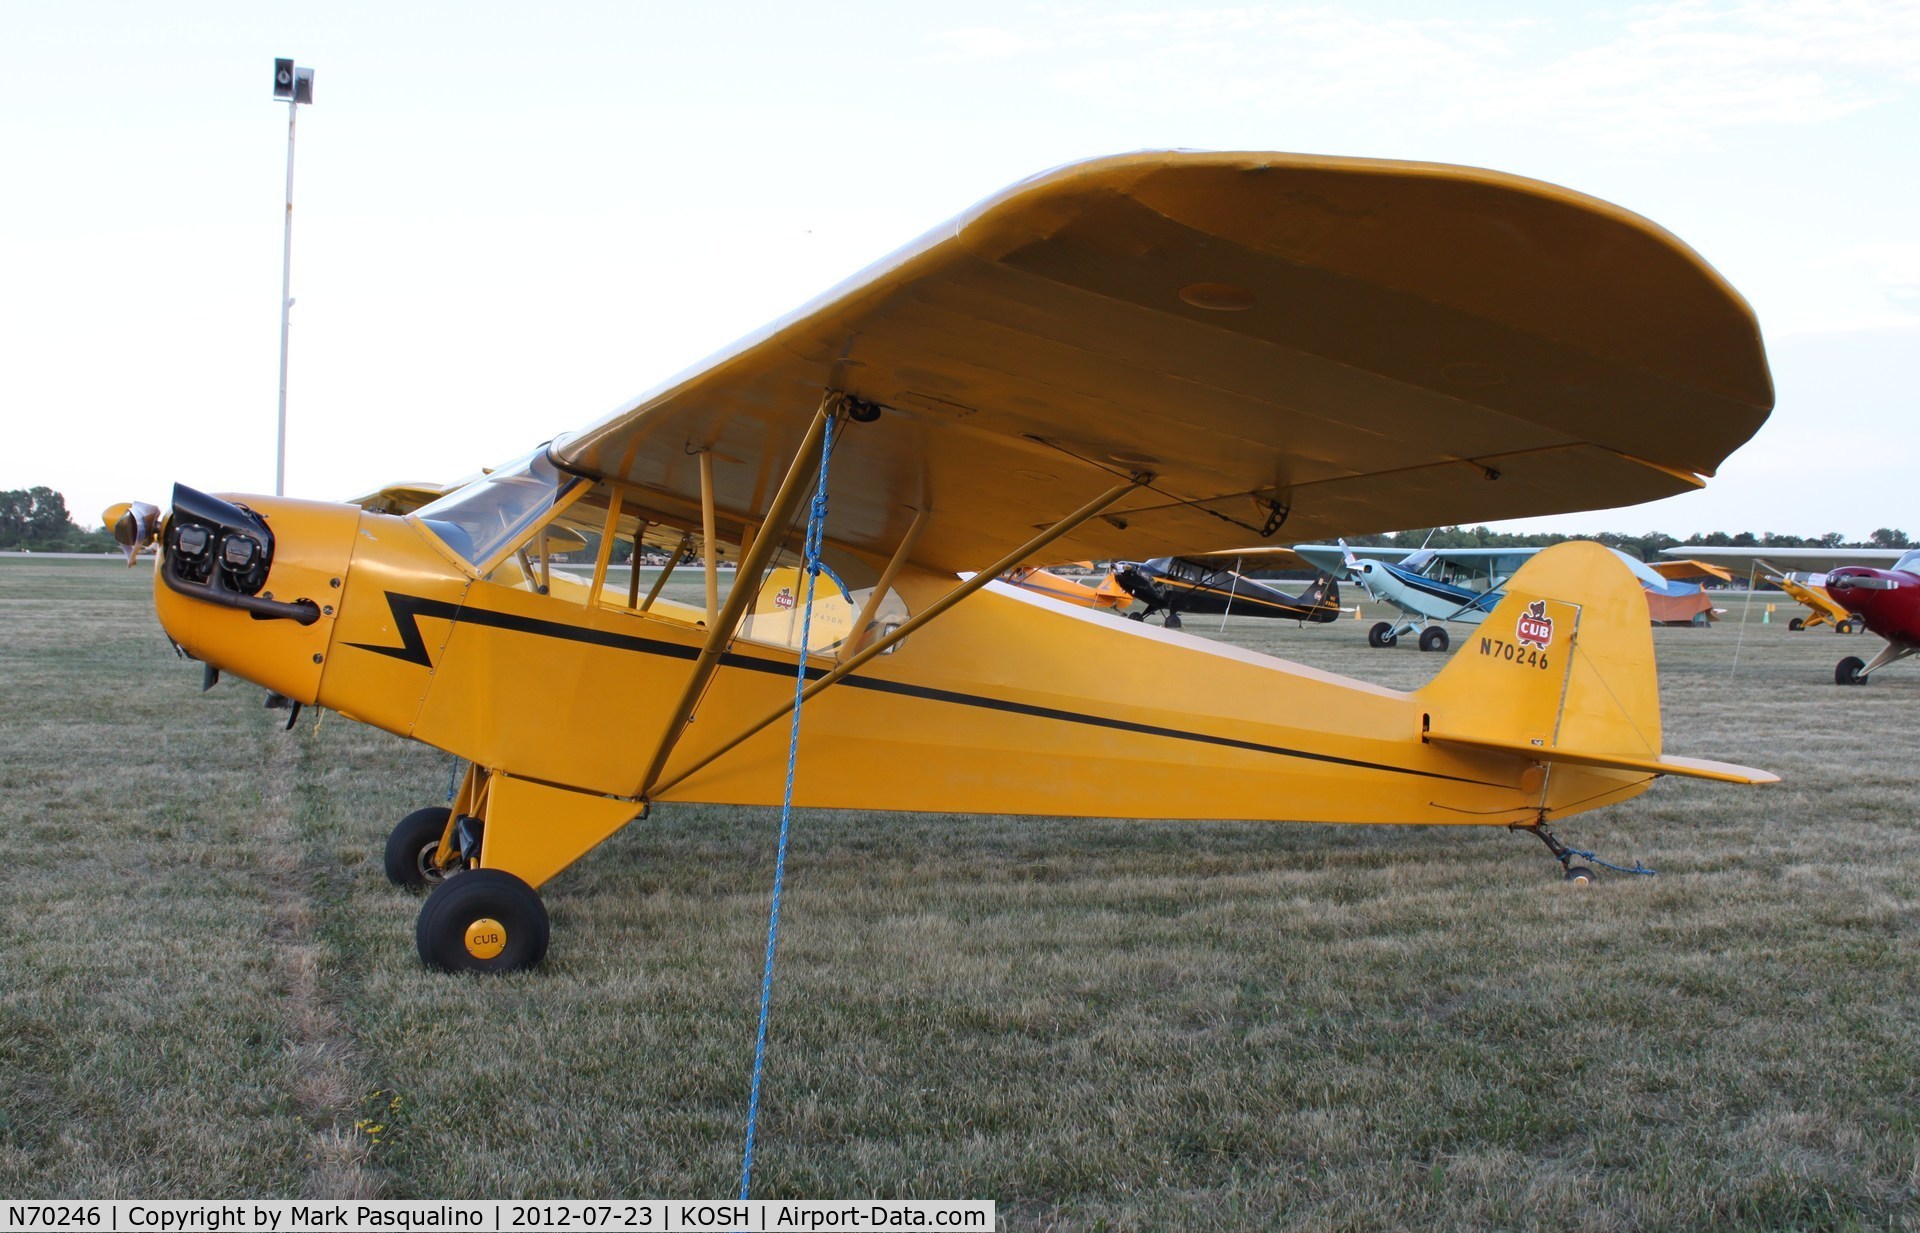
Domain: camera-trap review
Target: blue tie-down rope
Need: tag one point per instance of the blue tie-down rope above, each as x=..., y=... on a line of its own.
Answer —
x=1637, y=866
x=816, y=525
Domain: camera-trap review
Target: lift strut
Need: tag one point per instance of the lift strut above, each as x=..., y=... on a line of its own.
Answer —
x=960, y=591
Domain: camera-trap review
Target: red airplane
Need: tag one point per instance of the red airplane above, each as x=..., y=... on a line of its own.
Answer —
x=1888, y=600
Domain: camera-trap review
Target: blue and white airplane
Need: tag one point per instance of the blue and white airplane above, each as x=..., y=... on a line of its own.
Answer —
x=1435, y=584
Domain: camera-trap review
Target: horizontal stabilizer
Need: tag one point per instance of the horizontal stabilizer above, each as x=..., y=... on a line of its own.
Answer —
x=1660, y=764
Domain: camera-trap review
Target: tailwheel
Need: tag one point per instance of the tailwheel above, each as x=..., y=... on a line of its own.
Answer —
x=1433, y=638
x=1576, y=874
x=1382, y=634
x=1844, y=627
x=485, y=920
x=1848, y=671
x=413, y=847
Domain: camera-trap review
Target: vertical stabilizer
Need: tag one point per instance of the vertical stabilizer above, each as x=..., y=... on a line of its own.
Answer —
x=1562, y=671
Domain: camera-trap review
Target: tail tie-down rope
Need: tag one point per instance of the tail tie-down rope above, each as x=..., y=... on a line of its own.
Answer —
x=816, y=526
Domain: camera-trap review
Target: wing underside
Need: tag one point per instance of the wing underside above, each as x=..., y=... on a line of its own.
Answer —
x=1329, y=346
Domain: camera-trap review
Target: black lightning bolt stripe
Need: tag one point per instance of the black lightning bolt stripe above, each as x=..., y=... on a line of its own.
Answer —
x=407, y=609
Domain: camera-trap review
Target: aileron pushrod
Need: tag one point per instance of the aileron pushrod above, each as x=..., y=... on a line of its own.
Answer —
x=964, y=588
x=653, y=593
x=885, y=582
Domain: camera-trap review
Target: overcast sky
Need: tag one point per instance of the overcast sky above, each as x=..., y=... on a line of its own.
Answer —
x=510, y=219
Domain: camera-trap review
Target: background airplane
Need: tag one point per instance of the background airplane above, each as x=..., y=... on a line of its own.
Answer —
x=1438, y=584
x=1107, y=593
x=1174, y=585
x=1884, y=597
x=1811, y=590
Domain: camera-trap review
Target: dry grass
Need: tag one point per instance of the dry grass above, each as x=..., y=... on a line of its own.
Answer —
x=206, y=987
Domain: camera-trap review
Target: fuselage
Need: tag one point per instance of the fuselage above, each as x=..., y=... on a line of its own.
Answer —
x=1009, y=703
x=1418, y=595
x=1888, y=600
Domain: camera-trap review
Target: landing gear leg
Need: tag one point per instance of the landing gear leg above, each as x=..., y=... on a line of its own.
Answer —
x=1580, y=875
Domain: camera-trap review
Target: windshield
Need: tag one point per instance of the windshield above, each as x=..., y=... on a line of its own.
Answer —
x=489, y=514
x=1910, y=563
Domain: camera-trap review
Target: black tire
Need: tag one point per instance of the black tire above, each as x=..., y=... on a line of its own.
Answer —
x=1796, y=625
x=1433, y=638
x=413, y=845
x=473, y=906
x=1173, y=620
x=1847, y=671
x=1844, y=627
x=1580, y=875
x=1131, y=616
x=1380, y=634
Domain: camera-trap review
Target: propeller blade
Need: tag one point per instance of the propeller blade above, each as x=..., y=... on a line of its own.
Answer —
x=135, y=525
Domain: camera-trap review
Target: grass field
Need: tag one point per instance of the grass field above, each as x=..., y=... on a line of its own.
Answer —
x=207, y=988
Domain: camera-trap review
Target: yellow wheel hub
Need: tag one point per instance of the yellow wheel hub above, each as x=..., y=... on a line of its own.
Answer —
x=486, y=938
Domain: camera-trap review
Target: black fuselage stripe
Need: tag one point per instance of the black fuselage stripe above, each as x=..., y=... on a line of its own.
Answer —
x=1467, y=601
x=406, y=608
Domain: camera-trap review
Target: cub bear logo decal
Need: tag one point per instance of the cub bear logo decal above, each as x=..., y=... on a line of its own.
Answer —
x=1535, y=627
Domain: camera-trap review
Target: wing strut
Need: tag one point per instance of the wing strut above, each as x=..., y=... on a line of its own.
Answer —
x=793, y=490
x=961, y=590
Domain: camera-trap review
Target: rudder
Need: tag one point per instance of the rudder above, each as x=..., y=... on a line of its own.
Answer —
x=1565, y=661
x=1563, y=670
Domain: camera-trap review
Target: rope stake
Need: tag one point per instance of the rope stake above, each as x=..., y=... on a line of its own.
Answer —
x=816, y=527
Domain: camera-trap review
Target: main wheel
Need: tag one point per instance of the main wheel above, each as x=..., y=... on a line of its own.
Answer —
x=1580, y=875
x=1796, y=625
x=1173, y=620
x=1433, y=638
x=1381, y=634
x=1844, y=627
x=1847, y=671
x=413, y=845
x=485, y=920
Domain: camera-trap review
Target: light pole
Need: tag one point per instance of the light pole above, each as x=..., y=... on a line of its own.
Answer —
x=296, y=86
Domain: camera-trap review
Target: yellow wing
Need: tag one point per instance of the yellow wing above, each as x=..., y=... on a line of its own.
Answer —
x=1690, y=569
x=401, y=498
x=1329, y=345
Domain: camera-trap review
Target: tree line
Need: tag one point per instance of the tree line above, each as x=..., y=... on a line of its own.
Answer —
x=36, y=519
x=1646, y=547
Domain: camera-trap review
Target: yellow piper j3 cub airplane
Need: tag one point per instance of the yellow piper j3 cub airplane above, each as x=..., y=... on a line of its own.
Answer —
x=1141, y=356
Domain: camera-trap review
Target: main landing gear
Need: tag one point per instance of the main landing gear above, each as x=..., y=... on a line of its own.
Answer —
x=1851, y=671
x=1577, y=874
x=474, y=920
x=413, y=849
x=1386, y=634
x=483, y=920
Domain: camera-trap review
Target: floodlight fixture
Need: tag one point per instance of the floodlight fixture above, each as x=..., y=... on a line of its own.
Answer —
x=295, y=85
